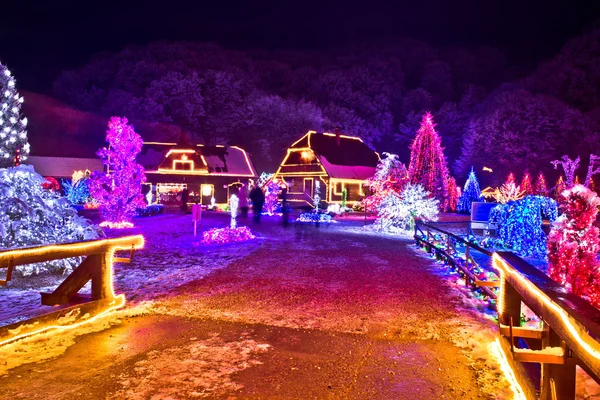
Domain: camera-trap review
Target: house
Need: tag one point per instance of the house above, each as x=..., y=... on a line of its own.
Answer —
x=206, y=171
x=339, y=164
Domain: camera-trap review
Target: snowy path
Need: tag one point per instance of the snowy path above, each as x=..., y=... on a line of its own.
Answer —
x=303, y=312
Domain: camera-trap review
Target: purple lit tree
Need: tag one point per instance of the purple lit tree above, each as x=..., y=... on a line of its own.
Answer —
x=118, y=191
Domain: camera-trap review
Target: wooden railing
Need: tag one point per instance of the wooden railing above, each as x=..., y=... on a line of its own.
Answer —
x=95, y=267
x=444, y=245
x=570, y=326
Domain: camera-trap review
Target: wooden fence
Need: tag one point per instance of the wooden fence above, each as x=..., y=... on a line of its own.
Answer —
x=95, y=267
x=570, y=328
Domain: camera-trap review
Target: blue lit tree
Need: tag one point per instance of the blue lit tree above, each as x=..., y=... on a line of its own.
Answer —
x=471, y=193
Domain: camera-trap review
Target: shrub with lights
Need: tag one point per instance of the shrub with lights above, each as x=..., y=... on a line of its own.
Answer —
x=573, y=244
x=471, y=193
x=119, y=192
x=14, y=147
x=520, y=224
x=77, y=190
x=508, y=192
x=397, y=212
x=31, y=215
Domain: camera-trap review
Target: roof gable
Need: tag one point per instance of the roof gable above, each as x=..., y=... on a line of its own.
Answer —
x=350, y=151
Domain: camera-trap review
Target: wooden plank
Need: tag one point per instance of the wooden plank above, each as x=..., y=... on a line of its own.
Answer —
x=521, y=332
x=29, y=255
x=73, y=283
x=487, y=283
x=538, y=357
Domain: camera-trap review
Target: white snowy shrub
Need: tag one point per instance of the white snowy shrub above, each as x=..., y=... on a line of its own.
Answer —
x=397, y=212
x=31, y=215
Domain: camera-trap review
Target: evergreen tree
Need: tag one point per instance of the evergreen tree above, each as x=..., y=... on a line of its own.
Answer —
x=428, y=166
x=541, y=188
x=471, y=193
x=573, y=244
x=453, y=195
x=526, y=185
x=119, y=192
x=14, y=147
x=559, y=188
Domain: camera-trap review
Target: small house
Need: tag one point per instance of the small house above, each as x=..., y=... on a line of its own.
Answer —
x=207, y=172
x=340, y=164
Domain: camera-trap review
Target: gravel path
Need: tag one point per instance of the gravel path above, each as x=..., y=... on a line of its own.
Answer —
x=311, y=312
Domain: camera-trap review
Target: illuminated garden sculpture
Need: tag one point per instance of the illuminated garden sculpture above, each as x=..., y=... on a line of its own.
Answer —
x=118, y=191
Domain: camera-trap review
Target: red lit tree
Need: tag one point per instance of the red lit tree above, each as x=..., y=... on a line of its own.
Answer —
x=428, y=166
x=118, y=192
x=526, y=185
x=573, y=244
x=391, y=177
x=453, y=195
x=541, y=188
x=559, y=188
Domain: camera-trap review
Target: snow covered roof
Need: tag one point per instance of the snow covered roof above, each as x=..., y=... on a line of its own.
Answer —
x=62, y=167
x=343, y=157
x=347, y=171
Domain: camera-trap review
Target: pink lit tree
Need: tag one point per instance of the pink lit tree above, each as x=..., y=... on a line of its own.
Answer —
x=118, y=191
x=573, y=244
x=428, y=166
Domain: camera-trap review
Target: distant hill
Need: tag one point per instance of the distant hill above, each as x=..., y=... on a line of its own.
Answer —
x=58, y=130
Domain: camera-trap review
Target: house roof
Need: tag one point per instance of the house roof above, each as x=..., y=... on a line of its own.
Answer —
x=348, y=159
x=211, y=160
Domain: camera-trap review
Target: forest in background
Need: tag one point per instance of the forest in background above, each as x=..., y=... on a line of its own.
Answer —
x=263, y=101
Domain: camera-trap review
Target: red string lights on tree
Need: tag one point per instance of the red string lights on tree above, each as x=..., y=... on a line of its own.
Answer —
x=526, y=185
x=541, y=188
x=118, y=191
x=428, y=166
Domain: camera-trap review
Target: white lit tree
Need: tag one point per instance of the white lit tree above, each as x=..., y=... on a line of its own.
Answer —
x=14, y=147
x=398, y=212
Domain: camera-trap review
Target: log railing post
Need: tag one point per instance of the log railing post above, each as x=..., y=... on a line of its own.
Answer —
x=102, y=276
x=558, y=380
x=511, y=305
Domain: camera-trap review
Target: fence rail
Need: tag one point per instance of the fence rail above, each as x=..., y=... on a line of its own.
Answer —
x=95, y=267
x=570, y=326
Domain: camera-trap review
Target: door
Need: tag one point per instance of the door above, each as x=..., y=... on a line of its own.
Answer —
x=308, y=187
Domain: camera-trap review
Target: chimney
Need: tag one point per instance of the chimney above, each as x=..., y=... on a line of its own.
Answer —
x=337, y=136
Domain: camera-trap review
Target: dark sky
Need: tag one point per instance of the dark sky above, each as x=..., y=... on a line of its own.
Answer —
x=39, y=39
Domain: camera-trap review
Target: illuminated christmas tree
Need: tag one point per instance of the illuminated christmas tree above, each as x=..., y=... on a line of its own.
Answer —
x=118, y=192
x=428, y=166
x=573, y=244
x=471, y=193
x=526, y=185
x=541, y=188
x=453, y=195
x=391, y=177
x=14, y=147
x=559, y=188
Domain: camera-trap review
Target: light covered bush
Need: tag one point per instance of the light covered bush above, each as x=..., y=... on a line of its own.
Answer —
x=31, y=215
x=397, y=212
